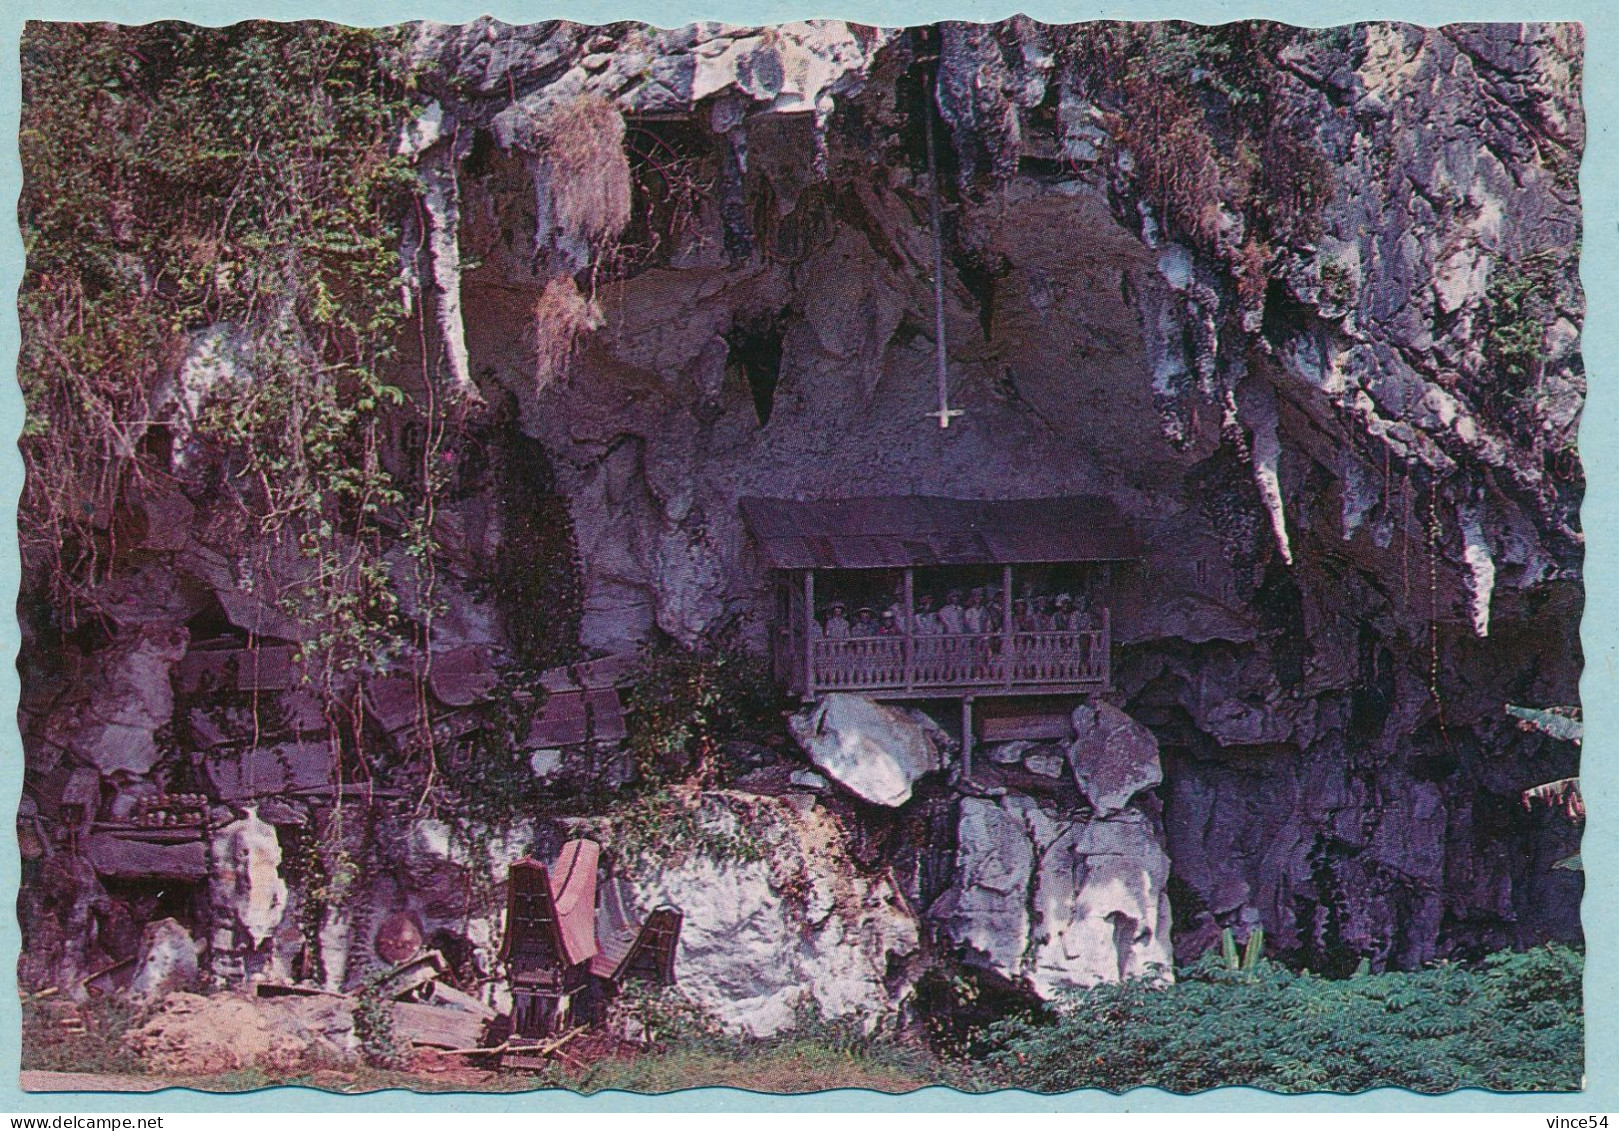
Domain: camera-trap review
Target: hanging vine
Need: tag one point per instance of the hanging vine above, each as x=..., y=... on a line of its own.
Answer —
x=212, y=218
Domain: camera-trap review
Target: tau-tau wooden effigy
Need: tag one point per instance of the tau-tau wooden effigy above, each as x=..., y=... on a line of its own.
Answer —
x=570, y=944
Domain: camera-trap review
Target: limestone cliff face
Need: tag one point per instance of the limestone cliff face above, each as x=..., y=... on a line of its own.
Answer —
x=1362, y=522
x=697, y=265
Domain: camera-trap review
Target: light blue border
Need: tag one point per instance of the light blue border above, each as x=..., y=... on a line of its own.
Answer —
x=1600, y=188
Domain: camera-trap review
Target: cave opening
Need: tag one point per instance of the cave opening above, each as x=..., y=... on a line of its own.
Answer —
x=753, y=350
x=536, y=582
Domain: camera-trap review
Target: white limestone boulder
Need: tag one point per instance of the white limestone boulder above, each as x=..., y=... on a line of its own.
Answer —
x=792, y=929
x=876, y=752
x=167, y=961
x=1056, y=902
x=247, y=879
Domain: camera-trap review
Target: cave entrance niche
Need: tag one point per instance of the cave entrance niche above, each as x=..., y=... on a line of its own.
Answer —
x=753, y=353
x=956, y=597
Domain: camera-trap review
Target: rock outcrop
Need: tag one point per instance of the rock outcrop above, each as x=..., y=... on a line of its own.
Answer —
x=791, y=927
x=168, y=961
x=1112, y=756
x=249, y=894
x=1058, y=900
x=876, y=752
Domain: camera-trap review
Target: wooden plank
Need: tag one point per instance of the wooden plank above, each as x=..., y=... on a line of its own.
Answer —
x=1025, y=727
x=124, y=858
x=437, y=1026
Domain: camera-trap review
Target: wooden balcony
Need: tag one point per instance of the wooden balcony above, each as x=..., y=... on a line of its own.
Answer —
x=1017, y=663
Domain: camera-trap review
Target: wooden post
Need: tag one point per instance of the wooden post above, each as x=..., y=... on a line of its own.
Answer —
x=1006, y=624
x=910, y=623
x=809, y=637
x=967, y=736
x=1107, y=646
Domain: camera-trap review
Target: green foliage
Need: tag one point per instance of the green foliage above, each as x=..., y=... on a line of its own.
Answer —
x=489, y=777
x=664, y=827
x=1560, y=722
x=374, y=1028
x=683, y=1046
x=659, y=1015
x=243, y=181
x=1515, y=1023
x=686, y=703
x=321, y=867
x=1519, y=307
x=1253, y=951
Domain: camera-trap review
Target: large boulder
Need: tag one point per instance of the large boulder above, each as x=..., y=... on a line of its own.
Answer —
x=248, y=892
x=1113, y=757
x=876, y=752
x=168, y=961
x=788, y=928
x=1058, y=901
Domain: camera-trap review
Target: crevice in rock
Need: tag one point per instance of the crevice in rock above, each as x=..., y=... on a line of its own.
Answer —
x=753, y=350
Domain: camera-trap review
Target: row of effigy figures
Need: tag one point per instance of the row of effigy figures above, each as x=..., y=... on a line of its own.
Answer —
x=970, y=612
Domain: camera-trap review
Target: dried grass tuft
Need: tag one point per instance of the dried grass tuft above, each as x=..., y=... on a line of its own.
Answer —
x=582, y=145
x=561, y=316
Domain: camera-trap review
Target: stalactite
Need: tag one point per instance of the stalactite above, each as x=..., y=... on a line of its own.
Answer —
x=1266, y=458
x=432, y=140
x=1480, y=565
x=441, y=198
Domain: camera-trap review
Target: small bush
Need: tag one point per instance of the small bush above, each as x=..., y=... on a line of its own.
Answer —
x=1513, y=1024
x=374, y=1029
x=663, y=828
x=686, y=703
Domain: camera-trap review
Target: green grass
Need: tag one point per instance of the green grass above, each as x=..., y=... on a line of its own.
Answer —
x=49, y=1046
x=804, y=1062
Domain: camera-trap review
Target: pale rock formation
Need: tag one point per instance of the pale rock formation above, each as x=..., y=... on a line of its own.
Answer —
x=110, y=718
x=1112, y=756
x=798, y=930
x=1058, y=901
x=876, y=752
x=1480, y=565
x=247, y=883
x=167, y=961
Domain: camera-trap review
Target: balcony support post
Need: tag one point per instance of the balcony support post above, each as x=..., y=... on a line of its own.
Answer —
x=967, y=737
x=910, y=628
x=809, y=634
x=1007, y=628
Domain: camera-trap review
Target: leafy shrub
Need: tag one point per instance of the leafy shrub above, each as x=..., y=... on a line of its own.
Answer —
x=237, y=188
x=374, y=1029
x=662, y=828
x=662, y=1014
x=686, y=703
x=1513, y=1024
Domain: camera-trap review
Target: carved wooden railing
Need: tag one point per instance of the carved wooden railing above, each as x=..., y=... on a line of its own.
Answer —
x=962, y=661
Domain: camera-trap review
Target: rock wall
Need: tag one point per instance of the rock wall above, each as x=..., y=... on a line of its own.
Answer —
x=1353, y=548
x=1360, y=519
